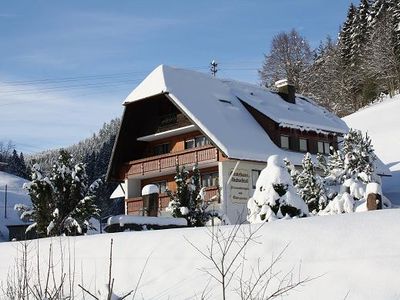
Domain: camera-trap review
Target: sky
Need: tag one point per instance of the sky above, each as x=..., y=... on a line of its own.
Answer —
x=67, y=66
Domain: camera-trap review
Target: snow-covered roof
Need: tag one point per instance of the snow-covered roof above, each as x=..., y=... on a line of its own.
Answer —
x=214, y=105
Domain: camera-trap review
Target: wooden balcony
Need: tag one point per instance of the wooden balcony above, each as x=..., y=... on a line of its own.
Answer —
x=135, y=205
x=168, y=162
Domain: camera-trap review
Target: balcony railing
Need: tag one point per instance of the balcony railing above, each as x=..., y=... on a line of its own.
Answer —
x=135, y=205
x=169, y=161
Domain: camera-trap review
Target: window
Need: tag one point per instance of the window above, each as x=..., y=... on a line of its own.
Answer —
x=210, y=179
x=254, y=176
x=284, y=142
x=198, y=141
x=161, y=149
x=201, y=141
x=303, y=145
x=189, y=144
x=324, y=147
x=327, y=148
x=162, y=186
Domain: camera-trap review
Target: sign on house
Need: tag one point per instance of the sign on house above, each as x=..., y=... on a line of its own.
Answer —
x=240, y=186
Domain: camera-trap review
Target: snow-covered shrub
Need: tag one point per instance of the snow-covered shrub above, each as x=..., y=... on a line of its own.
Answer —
x=275, y=196
x=62, y=201
x=188, y=200
x=348, y=172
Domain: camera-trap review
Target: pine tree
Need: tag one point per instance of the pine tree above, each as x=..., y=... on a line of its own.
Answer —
x=62, y=201
x=309, y=186
x=40, y=190
x=346, y=35
x=188, y=200
x=359, y=156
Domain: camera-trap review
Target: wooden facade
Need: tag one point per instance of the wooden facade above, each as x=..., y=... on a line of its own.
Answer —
x=275, y=132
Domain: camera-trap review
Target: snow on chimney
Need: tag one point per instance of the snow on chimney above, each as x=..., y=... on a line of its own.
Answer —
x=286, y=90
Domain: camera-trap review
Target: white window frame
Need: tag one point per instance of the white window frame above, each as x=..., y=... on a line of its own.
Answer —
x=288, y=141
x=304, y=149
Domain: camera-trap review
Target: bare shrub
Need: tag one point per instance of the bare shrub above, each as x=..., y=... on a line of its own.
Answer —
x=227, y=256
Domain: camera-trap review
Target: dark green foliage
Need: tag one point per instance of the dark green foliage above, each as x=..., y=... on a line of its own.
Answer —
x=310, y=187
x=188, y=202
x=62, y=201
x=280, y=188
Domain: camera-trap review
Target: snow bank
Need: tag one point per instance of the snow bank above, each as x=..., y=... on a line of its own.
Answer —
x=140, y=220
x=357, y=255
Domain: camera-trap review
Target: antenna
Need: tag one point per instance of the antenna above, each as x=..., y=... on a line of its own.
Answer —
x=213, y=68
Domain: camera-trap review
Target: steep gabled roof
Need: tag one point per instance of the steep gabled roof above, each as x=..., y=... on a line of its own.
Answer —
x=214, y=105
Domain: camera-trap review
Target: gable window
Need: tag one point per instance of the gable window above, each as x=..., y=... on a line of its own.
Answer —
x=303, y=145
x=210, y=179
x=161, y=149
x=254, y=176
x=324, y=147
x=284, y=142
x=198, y=141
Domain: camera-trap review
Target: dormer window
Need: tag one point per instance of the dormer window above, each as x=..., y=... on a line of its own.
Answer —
x=285, y=142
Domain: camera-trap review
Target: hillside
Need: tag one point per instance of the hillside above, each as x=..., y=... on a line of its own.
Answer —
x=352, y=254
x=15, y=195
x=381, y=121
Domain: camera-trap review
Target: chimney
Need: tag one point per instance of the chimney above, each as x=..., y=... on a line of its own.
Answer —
x=286, y=90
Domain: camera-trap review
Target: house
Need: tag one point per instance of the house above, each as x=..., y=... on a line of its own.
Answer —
x=228, y=128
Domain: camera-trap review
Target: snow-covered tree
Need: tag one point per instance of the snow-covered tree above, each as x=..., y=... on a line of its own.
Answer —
x=309, y=186
x=62, y=200
x=275, y=196
x=188, y=200
x=350, y=169
x=95, y=153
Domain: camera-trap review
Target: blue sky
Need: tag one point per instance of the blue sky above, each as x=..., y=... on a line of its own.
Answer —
x=66, y=66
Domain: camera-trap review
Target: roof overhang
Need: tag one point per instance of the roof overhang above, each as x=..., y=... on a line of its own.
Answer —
x=168, y=133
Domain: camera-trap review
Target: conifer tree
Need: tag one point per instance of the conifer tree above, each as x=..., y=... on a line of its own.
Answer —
x=309, y=186
x=188, y=200
x=62, y=201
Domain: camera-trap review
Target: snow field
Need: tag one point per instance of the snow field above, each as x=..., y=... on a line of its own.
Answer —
x=356, y=254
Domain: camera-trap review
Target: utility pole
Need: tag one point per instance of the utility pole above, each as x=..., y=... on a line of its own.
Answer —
x=213, y=68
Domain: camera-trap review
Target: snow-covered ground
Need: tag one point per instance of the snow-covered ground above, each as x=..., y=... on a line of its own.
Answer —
x=382, y=123
x=15, y=195
x=355, y=254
